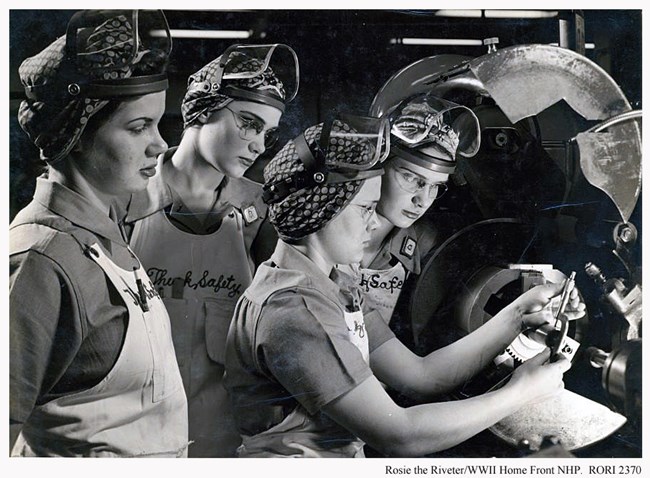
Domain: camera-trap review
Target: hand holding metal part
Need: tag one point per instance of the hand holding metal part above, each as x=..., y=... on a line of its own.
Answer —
x=559, y=339
x=536, y=304
x=547, y=319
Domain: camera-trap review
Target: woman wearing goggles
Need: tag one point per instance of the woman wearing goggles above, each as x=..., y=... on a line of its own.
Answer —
x=306, y=358
x=427, y=133
x=199, y=225
x=90, y=346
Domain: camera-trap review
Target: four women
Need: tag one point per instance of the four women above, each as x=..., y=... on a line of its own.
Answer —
x=92, y=361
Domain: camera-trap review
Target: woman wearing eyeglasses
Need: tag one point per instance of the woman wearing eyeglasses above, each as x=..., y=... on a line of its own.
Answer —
x=305, y=357
x=426, y=133
x=197, y=228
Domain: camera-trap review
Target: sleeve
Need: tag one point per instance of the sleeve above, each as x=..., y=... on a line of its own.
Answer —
x=44, y=331
x=428, y=238
x=303, y=340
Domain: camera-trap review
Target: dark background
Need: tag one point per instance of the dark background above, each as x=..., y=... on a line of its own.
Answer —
x=345, y=57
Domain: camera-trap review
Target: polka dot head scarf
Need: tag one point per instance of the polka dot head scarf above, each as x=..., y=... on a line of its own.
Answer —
x=55, y=123
x=309, y=209
x=205, y=94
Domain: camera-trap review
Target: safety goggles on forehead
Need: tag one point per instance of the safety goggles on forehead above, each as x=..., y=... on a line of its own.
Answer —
x=100, y=48
x=355, y=142
x=428, y=119
x=277, y=61
x=350, y=147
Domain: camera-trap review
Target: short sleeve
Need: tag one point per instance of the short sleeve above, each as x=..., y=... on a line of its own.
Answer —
x=44, y=331
x=303, y=339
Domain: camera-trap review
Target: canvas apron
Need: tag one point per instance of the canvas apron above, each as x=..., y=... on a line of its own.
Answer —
x=200, y=278
x=300, y=434
x=139, y=409
x=381, y=288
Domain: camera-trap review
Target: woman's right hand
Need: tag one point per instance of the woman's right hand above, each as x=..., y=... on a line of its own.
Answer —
x=537, y=379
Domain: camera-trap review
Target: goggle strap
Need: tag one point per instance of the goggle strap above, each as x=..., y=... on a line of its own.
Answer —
x=305, y=154
x=256, y=96
x=134, y=86
x=276, y=192
x=281, y=189
x=431, y=163
x=337, y=177
x=315, y=171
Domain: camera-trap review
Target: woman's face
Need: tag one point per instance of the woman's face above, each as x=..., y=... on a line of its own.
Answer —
x=232, y=137
x=119, y=156
x=407, y=191
x=346, y=236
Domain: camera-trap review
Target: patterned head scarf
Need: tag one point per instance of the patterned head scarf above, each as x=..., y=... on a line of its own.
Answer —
x=309, y=209
x=205, y=93
x=55, y=122
x=429, y=131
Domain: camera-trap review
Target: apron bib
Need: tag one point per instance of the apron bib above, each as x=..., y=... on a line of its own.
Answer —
x=200, y=278
x=139, y=408
x=381, y=288
x=357, y=333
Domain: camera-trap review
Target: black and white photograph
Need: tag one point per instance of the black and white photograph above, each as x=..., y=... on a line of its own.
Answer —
x=410, y=235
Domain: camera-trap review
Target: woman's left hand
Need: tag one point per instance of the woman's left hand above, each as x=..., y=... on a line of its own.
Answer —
x=533, y=306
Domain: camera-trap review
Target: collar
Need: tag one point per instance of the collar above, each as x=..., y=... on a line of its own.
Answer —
x=287, y=256
x=399, y=245
x=77, y=209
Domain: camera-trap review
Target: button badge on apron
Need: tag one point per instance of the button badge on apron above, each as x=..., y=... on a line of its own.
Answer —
x=408, y=247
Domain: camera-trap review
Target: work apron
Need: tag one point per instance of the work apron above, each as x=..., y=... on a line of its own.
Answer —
x=139, y=409
x=381, y=288
x=200, y=278
x=305, y=436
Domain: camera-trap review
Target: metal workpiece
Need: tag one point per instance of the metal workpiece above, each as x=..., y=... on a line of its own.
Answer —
x=624, y=300
x=621, y=375
x=477, y=250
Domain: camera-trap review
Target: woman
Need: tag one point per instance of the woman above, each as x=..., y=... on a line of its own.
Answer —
x=305, y=362
x=92, y=367
x=199, y=227
x=427, y=133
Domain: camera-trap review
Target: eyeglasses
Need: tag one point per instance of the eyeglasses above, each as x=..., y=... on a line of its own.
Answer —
x=413, y=183
x=366, y=212
x=249, y=128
